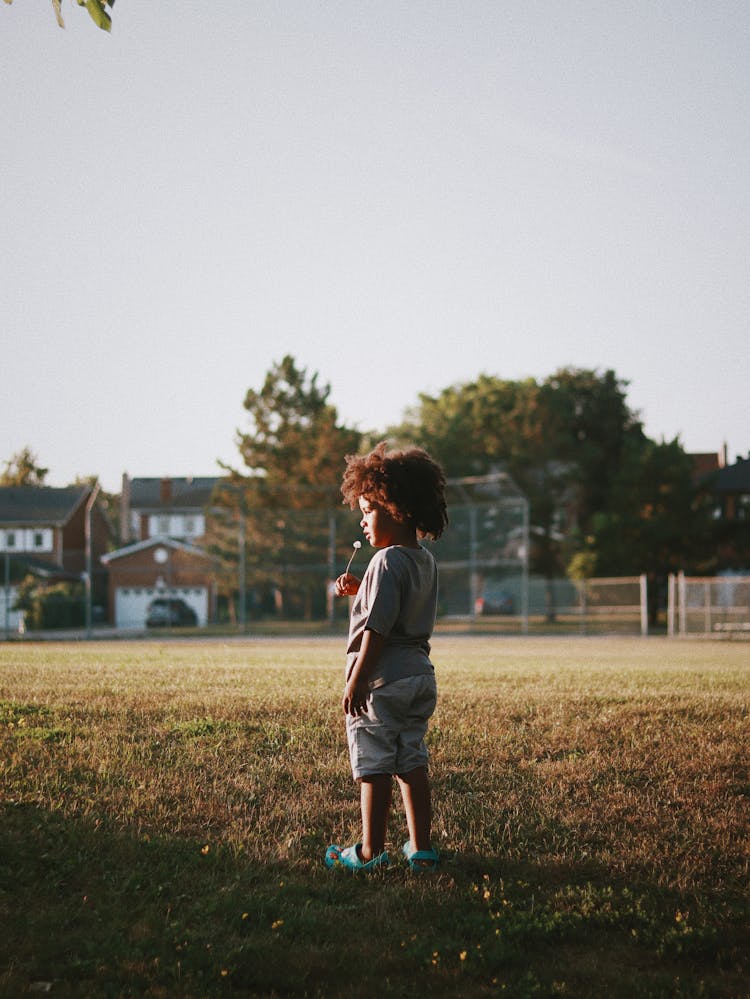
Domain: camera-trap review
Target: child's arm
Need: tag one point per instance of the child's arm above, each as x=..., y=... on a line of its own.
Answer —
x=356, y=690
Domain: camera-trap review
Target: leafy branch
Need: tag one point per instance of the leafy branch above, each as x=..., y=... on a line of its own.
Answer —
x=96, y=8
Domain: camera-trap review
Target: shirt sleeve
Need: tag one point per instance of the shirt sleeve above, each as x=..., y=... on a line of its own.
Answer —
x=383, y=596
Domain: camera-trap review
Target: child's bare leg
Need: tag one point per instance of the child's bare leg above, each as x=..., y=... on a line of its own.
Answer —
x=375, y=802
x=415, y=792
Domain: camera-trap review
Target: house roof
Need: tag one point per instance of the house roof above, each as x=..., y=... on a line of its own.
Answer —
x=157, y=541
x=732, y=478
x=188, y=492
x=39, y=505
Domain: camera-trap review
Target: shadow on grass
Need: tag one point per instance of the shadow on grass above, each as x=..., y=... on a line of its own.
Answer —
x=89, y=910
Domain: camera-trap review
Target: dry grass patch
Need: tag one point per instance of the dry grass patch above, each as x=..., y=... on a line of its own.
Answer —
x=166, y=806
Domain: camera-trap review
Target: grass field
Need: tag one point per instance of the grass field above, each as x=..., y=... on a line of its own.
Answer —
x=166, y=805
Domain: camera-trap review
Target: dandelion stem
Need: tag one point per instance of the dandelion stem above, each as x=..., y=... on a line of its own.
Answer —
x=356, y=546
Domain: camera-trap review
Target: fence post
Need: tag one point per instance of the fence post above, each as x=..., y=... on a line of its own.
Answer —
x=670, y=604
x=473, y=579
x=242, y=567
x=582, y=591
x=525, y=570
x=7, y=595
x=707, y=606
x=330, y=604
x=644, y=604
x=89, y=555
x=682, y=595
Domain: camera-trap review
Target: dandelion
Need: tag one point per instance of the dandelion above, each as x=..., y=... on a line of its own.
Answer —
x=205, y=849
x=356, y=546
x=277, y=924
x=245, y=915
x=462, y=956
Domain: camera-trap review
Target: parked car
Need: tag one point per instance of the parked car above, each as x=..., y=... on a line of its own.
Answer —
x=165, y=611
x=495, y=602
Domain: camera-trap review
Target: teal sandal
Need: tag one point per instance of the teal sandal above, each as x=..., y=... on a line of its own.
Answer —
x=421, y=861
x=350, y=859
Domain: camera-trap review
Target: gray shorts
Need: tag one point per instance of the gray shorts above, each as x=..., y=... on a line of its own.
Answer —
x=389, y=739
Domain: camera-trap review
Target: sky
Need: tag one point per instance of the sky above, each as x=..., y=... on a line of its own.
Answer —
x=401, y=195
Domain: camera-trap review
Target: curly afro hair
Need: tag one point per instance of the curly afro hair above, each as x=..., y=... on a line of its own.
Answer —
x=409, y=484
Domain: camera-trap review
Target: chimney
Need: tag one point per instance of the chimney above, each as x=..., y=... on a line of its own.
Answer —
x=165, y=491
x=125, y=531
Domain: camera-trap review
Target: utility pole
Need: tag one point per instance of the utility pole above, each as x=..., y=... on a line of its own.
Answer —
x=89, y=558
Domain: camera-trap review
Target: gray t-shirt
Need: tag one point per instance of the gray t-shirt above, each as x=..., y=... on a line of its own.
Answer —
x=397, y=598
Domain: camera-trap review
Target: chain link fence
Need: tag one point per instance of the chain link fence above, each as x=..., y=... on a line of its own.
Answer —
x=285, y=561
x=705, y=606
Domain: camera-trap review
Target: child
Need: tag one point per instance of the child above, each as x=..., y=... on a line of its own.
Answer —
x=390, y=690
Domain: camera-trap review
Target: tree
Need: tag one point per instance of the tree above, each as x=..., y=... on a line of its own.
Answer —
x=96, y=8
x=578, y=452
x=294, y=459
x=655, y=521
x=296, y=448
x=587, y=421
x=475, y=427
x=22, y=470
x=559, y=440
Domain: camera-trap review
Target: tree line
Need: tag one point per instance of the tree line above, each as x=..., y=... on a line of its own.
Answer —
x=605, y=499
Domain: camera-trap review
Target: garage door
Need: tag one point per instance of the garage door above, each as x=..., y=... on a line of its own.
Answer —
x=131, y=603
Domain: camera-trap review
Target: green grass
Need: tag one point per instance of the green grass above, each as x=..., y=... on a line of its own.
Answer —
x=165, y=808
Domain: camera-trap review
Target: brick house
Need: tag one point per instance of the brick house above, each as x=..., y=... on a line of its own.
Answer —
x=164, y=507
x=728, y=491
x=730, y=487
x=43, y=533
x=161, y=520
x=158, y=567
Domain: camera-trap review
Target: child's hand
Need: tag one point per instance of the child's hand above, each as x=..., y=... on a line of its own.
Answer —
x=355, y=697
x=347, y=585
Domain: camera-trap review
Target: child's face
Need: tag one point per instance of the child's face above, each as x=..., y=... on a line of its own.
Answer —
x=378, y=526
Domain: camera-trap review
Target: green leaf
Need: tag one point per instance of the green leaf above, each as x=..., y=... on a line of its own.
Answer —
x=98, y=14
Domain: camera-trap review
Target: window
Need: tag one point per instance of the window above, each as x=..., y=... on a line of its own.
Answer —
x=10, y=539
x=38, y=539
